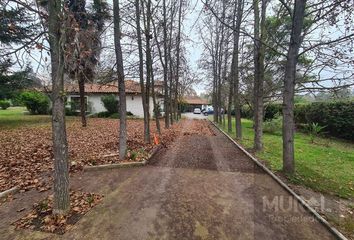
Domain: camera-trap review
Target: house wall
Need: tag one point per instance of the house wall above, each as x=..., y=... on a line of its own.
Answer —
x=134, y=104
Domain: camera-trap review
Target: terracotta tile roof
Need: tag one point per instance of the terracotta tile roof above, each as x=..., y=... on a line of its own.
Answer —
x=195, y=100
x=131, y=86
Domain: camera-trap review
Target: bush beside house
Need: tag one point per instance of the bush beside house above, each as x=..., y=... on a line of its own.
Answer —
x=35, y=102
x=110, y=102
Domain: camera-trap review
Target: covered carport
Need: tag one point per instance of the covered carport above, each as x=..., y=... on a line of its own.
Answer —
x=189, y=103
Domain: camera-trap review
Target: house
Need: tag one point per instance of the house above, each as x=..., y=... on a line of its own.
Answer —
x=94, y=92
x=191, y=102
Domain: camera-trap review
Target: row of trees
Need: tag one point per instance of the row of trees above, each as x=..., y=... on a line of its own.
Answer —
x=146, y=38
x=266, y=50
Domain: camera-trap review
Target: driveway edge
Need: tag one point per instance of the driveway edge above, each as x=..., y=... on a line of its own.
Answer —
x=7, y=192
x=113, y=166
x=323, y=221
x=124, y=164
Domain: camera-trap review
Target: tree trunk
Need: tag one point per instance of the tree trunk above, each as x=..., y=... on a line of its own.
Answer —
x=289, y=86
x=121, y=84
x=165, y=69
x=83, y=109
x=141, y=74
x=214, y=98
x=61, y=204
x=214, y=91
x=147, y=24
x=229, y=105
x=156, y=105
x=258, y=74
x=156, y=109
x=176, y=99
x=170, y=68
x=216, y=60
x=236, y=70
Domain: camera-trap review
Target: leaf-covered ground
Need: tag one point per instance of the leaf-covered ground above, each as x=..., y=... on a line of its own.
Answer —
x=41, y=217
x=26, y=152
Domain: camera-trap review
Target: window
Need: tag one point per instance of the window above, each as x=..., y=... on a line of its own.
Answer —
x=75, y=103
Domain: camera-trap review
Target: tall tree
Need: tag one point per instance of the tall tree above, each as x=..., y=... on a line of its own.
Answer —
x=289, y=85
x=259, y=36
x=83, y=44
x=77, y=44
x=165, y=66
x=141, y=74
x=149, y=67
x=61, y=203
x=234, y=84
x=178, y=60
x=121, y=84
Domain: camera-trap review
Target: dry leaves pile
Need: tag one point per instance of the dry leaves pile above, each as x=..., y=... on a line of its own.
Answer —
x=198, y=127
x=41, y=217
x=26, y=153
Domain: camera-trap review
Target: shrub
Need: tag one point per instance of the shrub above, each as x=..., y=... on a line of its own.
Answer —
x=110, y=103
x=273, y=125
x=35, y=102
x=246, y=112
x=114, y=115
x=4, y=104
x=300, y=113
x=103, y=114
x=70, y=112
x=314, y=130
x=130, y=113
x=272, y=110
x=16, y=99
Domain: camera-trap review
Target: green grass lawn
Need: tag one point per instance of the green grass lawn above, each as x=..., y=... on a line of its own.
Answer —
x=326, y=165
x=18, y=116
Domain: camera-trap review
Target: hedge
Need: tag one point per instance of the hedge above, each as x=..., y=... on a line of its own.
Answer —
x=4, y=104
x=338, y=117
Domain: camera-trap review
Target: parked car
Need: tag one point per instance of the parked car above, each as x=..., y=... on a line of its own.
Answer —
x=197, y=111
x=209, y=110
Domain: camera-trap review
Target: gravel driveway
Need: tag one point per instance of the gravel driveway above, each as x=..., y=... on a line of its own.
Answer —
x=201, y=187
x=191, y=115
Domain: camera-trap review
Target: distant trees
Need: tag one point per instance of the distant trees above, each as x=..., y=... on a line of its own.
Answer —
x=11, y=83
x=21, y=31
